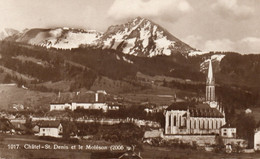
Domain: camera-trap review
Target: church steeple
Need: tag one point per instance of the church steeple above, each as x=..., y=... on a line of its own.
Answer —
x=210, y=73
x=210, y=84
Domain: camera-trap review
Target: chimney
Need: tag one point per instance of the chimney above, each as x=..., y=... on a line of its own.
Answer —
x=96, y=97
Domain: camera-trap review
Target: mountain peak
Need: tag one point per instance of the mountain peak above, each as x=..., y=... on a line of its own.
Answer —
x=142, y=37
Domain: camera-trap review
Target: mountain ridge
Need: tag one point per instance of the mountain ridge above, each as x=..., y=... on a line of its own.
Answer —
x=143, y=37
x=139, y=37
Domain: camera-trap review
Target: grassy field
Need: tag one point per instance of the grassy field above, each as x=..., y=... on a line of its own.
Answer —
x=11, y=94
x=171, y=153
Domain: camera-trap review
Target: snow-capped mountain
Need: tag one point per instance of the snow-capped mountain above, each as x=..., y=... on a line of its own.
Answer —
x=65, y=38
x=8, y=32
x=139, y=37
x=142, y=37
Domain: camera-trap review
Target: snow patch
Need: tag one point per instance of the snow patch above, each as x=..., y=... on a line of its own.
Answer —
x=117, y=57
x=127, y=60
x=195, y=53
x=130, y=44
x=119, y=37
x=217, y=57
x=163, y=42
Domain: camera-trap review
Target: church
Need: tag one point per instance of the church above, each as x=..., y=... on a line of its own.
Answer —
x=190, y=118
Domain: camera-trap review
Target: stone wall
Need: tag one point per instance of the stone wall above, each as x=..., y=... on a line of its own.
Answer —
x=201, y=140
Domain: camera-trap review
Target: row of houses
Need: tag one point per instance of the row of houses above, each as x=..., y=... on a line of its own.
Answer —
x=97, y=104
x=54, y=128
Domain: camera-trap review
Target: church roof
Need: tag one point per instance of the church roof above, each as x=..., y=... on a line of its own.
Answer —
x=205, y=112
x=202, y=105
x=196, y=110
x=179, y=106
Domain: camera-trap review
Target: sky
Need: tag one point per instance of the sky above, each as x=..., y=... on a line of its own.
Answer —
x=207, y=25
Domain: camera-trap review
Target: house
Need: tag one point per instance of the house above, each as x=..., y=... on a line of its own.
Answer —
x=19, y=127
x=130, y=155
x=36, y=128
x=228, y=131
x=153, y=133
x=51, y=128
x=257, y=139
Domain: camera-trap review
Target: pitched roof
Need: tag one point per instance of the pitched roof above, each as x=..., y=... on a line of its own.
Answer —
x=179, y=106
x=202, y=106
x=130, y=155
x=228, y=126
x=205, y=112
x=50, y=124
x=196, y=110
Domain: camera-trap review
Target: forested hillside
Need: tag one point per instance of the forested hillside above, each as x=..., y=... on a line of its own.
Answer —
x=84, y=65
x=35, y=67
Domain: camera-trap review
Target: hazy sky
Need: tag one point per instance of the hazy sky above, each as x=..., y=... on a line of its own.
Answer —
x=223, y=25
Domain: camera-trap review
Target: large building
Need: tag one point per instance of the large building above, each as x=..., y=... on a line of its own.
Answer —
x=97, y=104
x=193, y=118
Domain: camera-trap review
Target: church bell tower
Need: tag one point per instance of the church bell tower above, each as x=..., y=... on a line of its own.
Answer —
x=210, y=85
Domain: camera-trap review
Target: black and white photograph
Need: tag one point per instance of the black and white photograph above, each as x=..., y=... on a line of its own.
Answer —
x=129, y=79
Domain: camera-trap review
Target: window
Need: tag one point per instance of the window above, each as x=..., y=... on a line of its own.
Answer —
x=180, y=121
x=224, y=133
x=174, y=121
x=43, y=129
x=170, y=120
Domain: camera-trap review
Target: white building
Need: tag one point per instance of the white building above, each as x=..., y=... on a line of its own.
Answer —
x=190, y=118
x=228, y=131
x=51, y=128
x=74, y=105
x=257, y=139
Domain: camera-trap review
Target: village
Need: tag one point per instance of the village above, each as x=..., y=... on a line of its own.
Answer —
x=100, y=116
